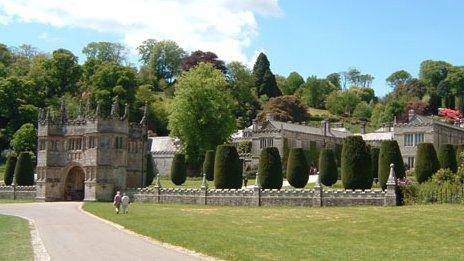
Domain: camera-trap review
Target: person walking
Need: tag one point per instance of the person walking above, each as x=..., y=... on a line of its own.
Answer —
x=117, y=201
x=125, y=203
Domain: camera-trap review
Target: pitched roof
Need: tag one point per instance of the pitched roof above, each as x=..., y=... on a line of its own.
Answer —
x=377, y=136
x=164, y=144
x=290, y=126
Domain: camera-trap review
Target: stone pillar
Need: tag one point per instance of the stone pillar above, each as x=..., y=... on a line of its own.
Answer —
x=317, y=198
x=204, y=191
x=390, y=193
x=256, y=200
x=157, y=189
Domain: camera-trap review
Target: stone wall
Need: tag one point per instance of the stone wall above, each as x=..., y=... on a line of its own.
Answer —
x=18, y=192
x=265, y=197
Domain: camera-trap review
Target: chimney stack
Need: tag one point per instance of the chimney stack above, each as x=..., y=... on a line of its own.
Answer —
x=325, y=125
x=363, y=127
x=255, y=125
x=270, y=116
x=411, y=114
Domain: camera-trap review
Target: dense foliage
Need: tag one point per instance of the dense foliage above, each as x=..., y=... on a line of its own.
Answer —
x=426, y=162
x=375, y=162
x=328, y=173
x=285, y=108
x=390, y=153
x=9, y=169
x=208, y=165
x=265, y=81
x=151, y=171
x=178, y=169
x=297, y=168
x=270, y=169
x=227, y=168
x=24, y=170
x=447, y=157
x=356, y=164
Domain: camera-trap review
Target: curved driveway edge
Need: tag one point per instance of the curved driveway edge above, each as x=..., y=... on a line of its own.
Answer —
x=70, y=234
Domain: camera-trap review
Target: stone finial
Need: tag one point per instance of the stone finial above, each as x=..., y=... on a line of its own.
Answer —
x=115, y=108
x=126, y=111
x=87, y=107
x=98, y=109
x=257, y=183
x=392, y=177
x=157, y=181
x=318, y=180
x=254, y=125
x=204, y=182
x=143, y=121
x=363, y=127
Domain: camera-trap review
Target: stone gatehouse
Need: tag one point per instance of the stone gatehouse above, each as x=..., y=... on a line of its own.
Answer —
x=89, y=157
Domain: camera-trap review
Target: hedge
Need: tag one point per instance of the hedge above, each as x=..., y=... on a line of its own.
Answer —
x=390, y=153
x=150, y=170
x=24, y=170
x=227, y=168
x=178, y=169
x=447, y=157
x=297, y=168
x=312, y=154
x=375, y=162
x=328, y=173
x=356, y=164
x=208, y=165
x=10, y=169
x=426, y=162
x=338, y=154
x=270, y=169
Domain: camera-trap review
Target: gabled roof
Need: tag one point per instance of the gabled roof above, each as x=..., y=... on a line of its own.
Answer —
x=377, y=136
x=164, y=144
x=295, y=127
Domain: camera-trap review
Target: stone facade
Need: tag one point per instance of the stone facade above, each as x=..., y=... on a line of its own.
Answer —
x=428, y=129
x=163, y=150
x=89, y=157
x=17, y=192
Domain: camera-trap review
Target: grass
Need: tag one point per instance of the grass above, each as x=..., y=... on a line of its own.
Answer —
x=2, y=171
x=192, y=183
x=15, y=239
x=426, y=232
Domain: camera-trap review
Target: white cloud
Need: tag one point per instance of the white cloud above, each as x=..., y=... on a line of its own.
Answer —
x=223, y=26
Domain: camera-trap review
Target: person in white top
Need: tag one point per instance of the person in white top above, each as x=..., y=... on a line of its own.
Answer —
x=125, y=203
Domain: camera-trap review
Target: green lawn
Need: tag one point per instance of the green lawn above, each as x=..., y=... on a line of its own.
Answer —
x=427, y=232
x=15, y=239
x=191, y=183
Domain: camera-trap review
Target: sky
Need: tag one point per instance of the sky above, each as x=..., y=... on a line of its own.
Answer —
x=312, y=37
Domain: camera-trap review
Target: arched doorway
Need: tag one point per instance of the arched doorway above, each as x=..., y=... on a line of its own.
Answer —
x=74, y=184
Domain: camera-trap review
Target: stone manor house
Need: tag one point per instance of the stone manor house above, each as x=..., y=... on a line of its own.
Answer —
x=89, y=157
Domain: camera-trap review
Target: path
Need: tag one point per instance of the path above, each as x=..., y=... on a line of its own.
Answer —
x=69, y=234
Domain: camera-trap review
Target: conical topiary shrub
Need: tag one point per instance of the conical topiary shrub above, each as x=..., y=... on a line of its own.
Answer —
x=327, y=167
x=208, y=165
x=24, y=170
x=178, y=169
x=426, y=162
x=270, y=169
x=338, y=154
x=356, y=164
x=297, y=168
x=375, y=162
x=390, y=153
x=150, y=170
x=10, y=169
x=227, y=168
x=447, y=157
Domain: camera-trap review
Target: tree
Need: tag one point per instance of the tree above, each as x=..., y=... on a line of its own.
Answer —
x=362, y=111
x=146, y=49
x=356, y=164
x=412, y=88
x=24, y=170
x=366, y=94
x=342, y=102
x=292, y=83
x=270, y=169
x=335, y=79
x=197, y=57
x=426, y=162
x=227, y=168
x=241, y=88
x=9, y=169
x=265, y=81
x=297, y=168
x=353, y=77
x=106, y=52
x=6, y=58
x=390, y=153
x=24, y=139
x=150, y=170
x=178, y=169
x=312, y=154
x=285, y=108
x=447, y=157
x=315, y=91
x=165, y=60
x=201, y=112
x=328, y=173
x=63, y=72
x=375, y=162
x=208, y=165
x=398, y=78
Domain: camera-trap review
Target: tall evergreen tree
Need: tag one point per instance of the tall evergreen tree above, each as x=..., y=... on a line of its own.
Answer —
x=9, y=169
x=24, y=170
x=265, y=81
